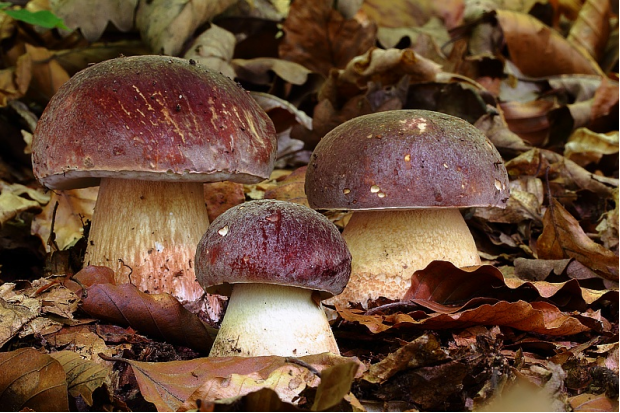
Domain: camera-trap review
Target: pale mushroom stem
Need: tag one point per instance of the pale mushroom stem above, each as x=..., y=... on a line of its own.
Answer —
x=267, y=319
x=147, y=232
x=387, y=247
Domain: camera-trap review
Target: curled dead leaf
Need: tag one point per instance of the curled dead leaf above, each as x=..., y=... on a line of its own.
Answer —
x=159, y=316
x=31, y=380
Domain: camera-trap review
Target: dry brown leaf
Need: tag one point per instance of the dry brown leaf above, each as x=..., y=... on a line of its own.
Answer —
x=291, y=188
x=165, y=25
x=31, y=381
x=401, y=13
x=605, y=99
x=320, y=38
x=14, y=81
x=260, y=70
x=159, y=316
x=16, y=311
x=608, y=227
x=537, y=317
x=588, y=402
x=530, y=42
x=214, y=48
x=75, y=207
x=177, y=385
x=82, y=341
x=563, y=237
x=335, y=385
x=47, y=74
x=17, y=198
x=591, y=29
x=529, y=119
x=92, y=17
x=220, y=196
x=83, y=376
x=585, y=146
x=423, y=351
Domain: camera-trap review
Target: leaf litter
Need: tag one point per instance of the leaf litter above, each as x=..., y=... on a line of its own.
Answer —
x=540, y=316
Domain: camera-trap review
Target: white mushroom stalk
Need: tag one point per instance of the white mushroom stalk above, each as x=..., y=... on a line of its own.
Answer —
x=267, y=319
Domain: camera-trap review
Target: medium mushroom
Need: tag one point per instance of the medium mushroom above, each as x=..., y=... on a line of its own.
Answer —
x=404, y=174
x=276, y=260
x=150, y=130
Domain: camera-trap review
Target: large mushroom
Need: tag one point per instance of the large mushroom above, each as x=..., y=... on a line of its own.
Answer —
x=276, y=260
x=404, y=174
x=150, y=130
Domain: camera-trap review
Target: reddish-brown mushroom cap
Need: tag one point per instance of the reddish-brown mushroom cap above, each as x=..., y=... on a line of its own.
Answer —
x=273, y=242
x=151, y=118
x=405, y=159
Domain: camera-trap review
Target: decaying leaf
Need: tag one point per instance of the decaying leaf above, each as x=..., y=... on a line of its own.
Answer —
x=32, y=380
x=83, y=376
x=93, y=17
x=165, y=25
x=291, y=188
x=159, y=316
x=562, y=237
x=214, y=49
x=177, y=385
x=75, y=208
x=585, y=147
x=591, y=28
x=423, y=351
x=530, y=42
x=321, y=38
x=17, y=198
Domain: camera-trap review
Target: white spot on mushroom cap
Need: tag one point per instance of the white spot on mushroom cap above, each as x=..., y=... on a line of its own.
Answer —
x=223, y=231
x=498, y=185
x=346, y=191
x=374, y=189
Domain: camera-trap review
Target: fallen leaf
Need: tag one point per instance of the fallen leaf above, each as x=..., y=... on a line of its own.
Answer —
x=320, y=38
x=17, y=198
x=588, y=402
x=14, y=81
x=75, y=208
x=220, y=196
x=31, y=380
x=177, y=385
x=83, y=376
x=608, y=226
x=159, y=316
x=291, y=188
x=260, y=70
x=165, y=25
x=16, y=311
x=585, y=146
x=537, y=317
x=591, y=29
x=214, y=49
x=423, y=351
x=92, y=18
x=530, y=42
x=335, y=385
x=47, y=74
x=563, y=237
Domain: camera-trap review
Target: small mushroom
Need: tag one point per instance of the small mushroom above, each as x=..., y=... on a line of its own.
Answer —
x=150, y=130
x=276, y=260
x=405, y=191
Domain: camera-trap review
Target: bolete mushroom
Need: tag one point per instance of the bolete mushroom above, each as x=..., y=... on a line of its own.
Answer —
x=150, y=130
x=276, y=260
x=404, y=174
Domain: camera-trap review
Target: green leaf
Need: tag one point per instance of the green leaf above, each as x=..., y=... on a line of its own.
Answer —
x=43, y=18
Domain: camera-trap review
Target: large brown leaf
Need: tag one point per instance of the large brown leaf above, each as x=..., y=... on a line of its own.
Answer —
x=591, y=29
x=531, y=42
x=563, y=237
x=31, y=380
x=177, y=385
x=160, y=316
x=321, y=38
x=83, y=376
x=538, y=317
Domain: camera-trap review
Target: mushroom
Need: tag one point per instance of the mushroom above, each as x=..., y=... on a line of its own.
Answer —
x=404, y=174
x=150, y=130
x=276, y=260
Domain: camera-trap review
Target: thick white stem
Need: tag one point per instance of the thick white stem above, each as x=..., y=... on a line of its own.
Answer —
x=387, y=247
x=151, y=230
x=265, y=319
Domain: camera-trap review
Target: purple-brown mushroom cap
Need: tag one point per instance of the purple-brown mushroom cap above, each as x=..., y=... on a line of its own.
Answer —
x=273, y=242
x=153, y=118
x=405, y=159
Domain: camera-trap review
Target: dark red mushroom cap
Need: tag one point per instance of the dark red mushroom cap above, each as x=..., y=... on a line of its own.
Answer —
x=405, y=159
x=273, y=242
x=152, y=118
